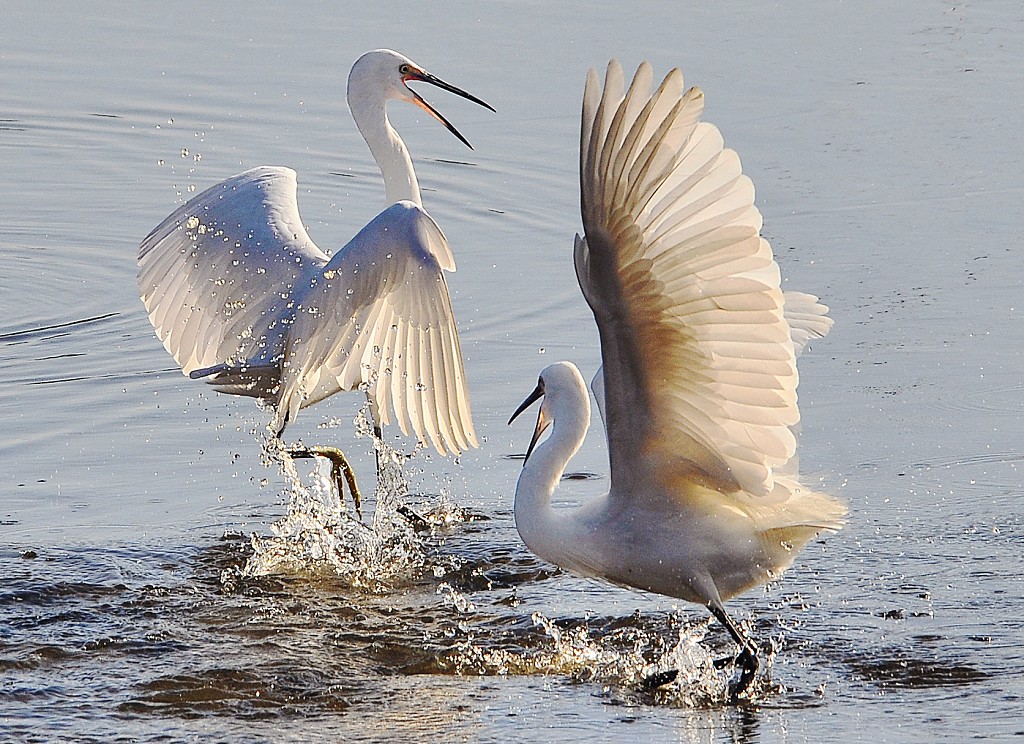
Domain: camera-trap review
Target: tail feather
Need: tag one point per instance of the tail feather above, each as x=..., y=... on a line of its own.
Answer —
x=795, y=515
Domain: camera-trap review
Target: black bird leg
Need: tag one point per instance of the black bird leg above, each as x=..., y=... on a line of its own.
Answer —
x=417, y=521
x=746, y=660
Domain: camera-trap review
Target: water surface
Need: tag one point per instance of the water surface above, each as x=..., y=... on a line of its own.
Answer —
x=884, y=142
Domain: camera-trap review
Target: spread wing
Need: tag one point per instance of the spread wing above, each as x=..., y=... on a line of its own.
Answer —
x=699, y=364
x=384, y=299
x=217, y=277
x=807, y=320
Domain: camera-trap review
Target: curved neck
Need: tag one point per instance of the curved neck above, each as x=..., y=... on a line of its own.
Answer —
x=387, y=148
x=547, y=532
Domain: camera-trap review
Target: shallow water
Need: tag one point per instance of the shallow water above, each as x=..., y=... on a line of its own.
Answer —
x=884, y=142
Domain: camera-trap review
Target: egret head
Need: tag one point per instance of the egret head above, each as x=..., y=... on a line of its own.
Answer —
x=555, y=382
x=383, y=75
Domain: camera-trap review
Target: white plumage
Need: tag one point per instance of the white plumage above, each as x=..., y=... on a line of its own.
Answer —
x=698, y=380
x=242, y=297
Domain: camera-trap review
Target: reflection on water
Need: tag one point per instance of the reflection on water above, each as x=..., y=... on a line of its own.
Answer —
x=174, y=639
x=310, y=641
x=627, y=654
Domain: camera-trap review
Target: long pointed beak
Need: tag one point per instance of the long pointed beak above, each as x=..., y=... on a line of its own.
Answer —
x=426, y=77
x=542, y=420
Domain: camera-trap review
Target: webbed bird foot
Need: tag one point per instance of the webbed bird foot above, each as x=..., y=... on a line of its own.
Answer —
x=341, y=471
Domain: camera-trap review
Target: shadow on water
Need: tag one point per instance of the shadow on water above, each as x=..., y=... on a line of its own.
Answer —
x=902, y=669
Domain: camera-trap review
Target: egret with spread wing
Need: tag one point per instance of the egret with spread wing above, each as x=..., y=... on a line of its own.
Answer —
x=242, y=298
x=698, y=380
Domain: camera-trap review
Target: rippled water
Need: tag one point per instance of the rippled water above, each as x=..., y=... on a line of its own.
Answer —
x=884, y=142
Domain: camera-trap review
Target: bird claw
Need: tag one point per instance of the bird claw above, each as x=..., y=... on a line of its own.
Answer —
x=341, y=471
x=748, y=664
x=746, y=659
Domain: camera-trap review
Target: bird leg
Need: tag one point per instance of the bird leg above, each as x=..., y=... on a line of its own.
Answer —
x=417, y=521
x=341, y=471
x=746, y=660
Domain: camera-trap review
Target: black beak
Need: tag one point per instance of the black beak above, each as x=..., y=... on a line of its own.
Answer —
x=426, y=77
x=530, y=400
x=536, y=395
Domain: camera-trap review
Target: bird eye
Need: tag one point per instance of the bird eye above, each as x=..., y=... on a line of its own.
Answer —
x=404, y=69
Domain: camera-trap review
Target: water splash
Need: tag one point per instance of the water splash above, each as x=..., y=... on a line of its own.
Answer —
x=319, y=533
x=624, y=655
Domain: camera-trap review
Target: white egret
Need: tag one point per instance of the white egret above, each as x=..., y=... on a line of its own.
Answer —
x=698, y=383
x=242, y=298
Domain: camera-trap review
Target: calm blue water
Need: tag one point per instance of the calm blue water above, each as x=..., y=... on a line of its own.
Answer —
x=885, y=145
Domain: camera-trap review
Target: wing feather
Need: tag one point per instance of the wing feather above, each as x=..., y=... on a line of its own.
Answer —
x=807, y=319
x=218, y=276
x=386, y=373
x=385, y=293
x=440, y=387
x=400, y=396
x=698, y=353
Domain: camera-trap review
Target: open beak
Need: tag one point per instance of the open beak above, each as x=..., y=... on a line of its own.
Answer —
x=426, y=77
x=542, y=421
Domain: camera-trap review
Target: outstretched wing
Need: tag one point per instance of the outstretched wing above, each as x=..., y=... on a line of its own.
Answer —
x=807, y=320
x=699, y=363
x=218, y=276
x=384, y=299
